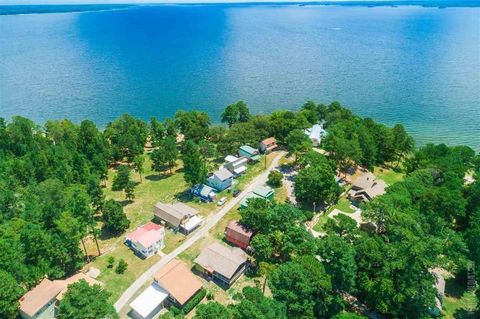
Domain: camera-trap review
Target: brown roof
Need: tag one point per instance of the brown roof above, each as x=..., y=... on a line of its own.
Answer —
x=222, y=259
x=239, y=228
x=178, y=280
x=47, y=290
x=268, y=141
x=38, y=297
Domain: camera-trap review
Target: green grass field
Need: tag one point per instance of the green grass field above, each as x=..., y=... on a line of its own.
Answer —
x=389, y=176
x=343, y=204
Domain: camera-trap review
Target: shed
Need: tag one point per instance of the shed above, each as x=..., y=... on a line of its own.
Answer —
x=238, y=234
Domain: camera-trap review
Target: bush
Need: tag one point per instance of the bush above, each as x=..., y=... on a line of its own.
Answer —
x=121, y=267
x=275, y=179
x=110, y=261
x=210, y=295
x=189, y=305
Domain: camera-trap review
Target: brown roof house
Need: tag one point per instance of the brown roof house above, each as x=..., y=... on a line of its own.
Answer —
x=222, y=264
x=366, y=187
x=238, y=234
x=178, y=216
x=180, y=283
x=268, y=145
x=41, y=301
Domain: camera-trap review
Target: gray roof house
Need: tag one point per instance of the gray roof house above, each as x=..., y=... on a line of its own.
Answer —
x=221, y=179
x=221, y=263
x=174, y=214
x=367, y=187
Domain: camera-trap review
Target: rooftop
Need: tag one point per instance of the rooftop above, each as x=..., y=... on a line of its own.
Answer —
x=222, y=259
x=249, y=149
x=147, y=234
x=178, y=280
x=239, y=228
x=263, y=191
x=268, y=141
x=149, y=300
x=40, y=295
x=223, y=174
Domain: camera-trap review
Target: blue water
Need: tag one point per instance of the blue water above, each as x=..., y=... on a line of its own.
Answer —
x=416, y=65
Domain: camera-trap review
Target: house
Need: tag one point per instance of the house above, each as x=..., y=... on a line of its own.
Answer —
x=316, y=133
x=220, y=180
x=41, y=301
x=222, y=264
x=268, y=145
x=204, y=192
x=249, y=152
x=178, y=216
x=180, y=283
x=149, y=303
x=238, y=234
x=236, y=165
x=146, y=240
x=263, y=192
x=366, y=187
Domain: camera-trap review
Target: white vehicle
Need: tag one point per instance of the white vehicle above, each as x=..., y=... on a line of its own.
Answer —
x=222, y=201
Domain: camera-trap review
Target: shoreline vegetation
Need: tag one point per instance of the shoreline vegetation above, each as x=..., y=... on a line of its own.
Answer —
x=70, y=193
x=66, y=8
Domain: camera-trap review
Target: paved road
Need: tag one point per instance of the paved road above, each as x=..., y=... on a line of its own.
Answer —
x=201, y=232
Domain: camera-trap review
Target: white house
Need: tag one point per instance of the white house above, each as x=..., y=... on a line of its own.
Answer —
x=146, y=240
x=316, y=133
x=221, y=179
x=236, y=165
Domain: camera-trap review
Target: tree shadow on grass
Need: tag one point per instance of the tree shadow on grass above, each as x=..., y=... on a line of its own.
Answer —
x=156, y=177
x=185, y=196
x=464, y=314
x=454, y=288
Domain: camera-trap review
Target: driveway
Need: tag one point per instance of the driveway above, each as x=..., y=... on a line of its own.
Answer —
x=201, y=232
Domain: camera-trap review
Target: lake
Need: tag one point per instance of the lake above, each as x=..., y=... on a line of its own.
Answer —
x=419, y=66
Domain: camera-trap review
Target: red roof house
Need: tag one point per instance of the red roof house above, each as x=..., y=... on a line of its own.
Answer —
x=238, y=234
x=147, y=239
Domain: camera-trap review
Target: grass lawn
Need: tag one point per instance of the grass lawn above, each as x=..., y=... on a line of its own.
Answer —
x=322, y=220
x=343, y=205
x=389, y=176
x=458, y=302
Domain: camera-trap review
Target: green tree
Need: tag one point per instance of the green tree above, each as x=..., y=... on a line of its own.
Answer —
x=339, y=259
x=138, y=162
x=194, y=125
x=254, y=305
x=236, y=113
x=82, y=301
x=128, y=135
x=114, y=218
x=157, y=131
x=298, y=143
x=10, y=293
x=110, y=261
x=316, y=184
x=121, y=267
x=212, y=310
x=122, y=178
x=130, y=191
x=193, y=164
x=275, y=179
x=166, y=155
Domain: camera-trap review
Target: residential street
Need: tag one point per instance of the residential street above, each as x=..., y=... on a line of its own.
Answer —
x=201, y=232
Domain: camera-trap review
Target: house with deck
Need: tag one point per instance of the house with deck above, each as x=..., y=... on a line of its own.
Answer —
x=238, y=234
x=146, y=240
x=249, y=152
x=221, y=264
x=178, y=216
x=366, y=187
x=204, y=192
x=220, y=180
x=268, y=145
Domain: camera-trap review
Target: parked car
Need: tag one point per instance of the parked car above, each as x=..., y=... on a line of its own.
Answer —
x=236, y=192
x=222, y=201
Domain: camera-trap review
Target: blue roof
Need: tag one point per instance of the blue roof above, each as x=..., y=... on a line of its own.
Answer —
x=248, y=149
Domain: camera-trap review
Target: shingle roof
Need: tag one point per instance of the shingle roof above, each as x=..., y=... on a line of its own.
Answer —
x=222, y=259
x=235, y=226
x=173, y=213
x=263, y=191
x=38, y=297
x=268, y=141
x=223, y=174
x=178, y=280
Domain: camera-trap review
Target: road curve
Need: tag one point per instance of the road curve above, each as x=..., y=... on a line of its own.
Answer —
x=202, y=231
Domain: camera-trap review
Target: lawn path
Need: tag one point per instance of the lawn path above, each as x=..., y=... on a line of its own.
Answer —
x=202, y=231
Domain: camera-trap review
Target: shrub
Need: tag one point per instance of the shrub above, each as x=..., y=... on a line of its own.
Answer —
x=121, y=267
x=275, y=179
x=110, y=261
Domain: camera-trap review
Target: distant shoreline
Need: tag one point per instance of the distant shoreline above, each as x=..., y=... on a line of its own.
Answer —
x=66, y=8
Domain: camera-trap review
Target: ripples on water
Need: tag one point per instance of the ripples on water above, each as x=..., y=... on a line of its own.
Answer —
x=415, y=65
